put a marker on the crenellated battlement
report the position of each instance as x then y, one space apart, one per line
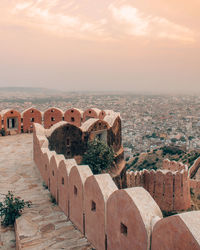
14 122
111 218
170 186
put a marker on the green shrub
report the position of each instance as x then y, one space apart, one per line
99 156
3 132
11 208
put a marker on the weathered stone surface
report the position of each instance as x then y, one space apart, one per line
44 225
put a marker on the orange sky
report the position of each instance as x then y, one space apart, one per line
101 45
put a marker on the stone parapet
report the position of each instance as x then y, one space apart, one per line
170 189
118 219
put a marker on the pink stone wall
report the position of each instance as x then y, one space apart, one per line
97 190
52 116
125 225
119 219
12 114
45 167
90 113
73 116
194 168
53 176
29 117
64 168
168 195
77 178
178 192
171 190
159 189
173 165
102 114
172 233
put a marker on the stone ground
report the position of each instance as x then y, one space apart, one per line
44 225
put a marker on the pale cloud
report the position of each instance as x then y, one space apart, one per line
127 14
22 6
136 23
100 20
50 16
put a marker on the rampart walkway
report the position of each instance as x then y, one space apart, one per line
44 225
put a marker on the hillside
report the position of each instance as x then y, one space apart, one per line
154 159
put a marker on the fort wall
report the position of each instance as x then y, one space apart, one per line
177 232
52 116
91 113
28 117
11 121
48 118
194 168
170 187
112 218
74 116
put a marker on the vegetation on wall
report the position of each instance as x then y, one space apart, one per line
11 208
154 158
99 156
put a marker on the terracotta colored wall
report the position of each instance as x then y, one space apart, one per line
37 130
12 114
54 113
73 116
30 114
119 218
168 196
53 176
42 167
47 158
39 142
89 113
63 183
102 114
173 233
171 190
77 178
173 165
126 228
114 135
57 114
67 140
95 128
194 168
97 190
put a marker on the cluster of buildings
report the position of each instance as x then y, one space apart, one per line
148 122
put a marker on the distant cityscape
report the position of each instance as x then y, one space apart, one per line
148 121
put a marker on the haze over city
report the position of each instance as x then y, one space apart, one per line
138 46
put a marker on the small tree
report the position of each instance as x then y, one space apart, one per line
11 208
99 156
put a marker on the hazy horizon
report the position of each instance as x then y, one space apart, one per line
115 45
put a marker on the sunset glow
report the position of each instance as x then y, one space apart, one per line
101 45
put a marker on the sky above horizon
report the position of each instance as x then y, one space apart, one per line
130 45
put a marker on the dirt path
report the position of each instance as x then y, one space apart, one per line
44 225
